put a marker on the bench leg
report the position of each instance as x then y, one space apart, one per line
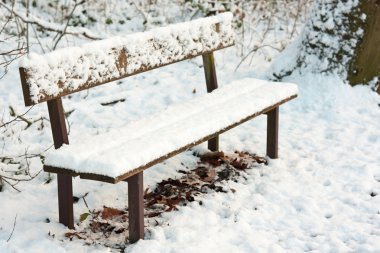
136 207
65 200
65 185
272 133
213 144
212 84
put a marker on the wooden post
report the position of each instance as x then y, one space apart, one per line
272 133
212 84
65 188
136 207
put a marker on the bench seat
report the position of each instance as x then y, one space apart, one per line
123 152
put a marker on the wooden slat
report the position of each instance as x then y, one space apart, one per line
121 59
113 180
87 85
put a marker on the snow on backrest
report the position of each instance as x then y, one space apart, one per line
72 69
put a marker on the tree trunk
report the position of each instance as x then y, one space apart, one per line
365 65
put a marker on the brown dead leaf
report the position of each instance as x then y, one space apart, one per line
173 201
71 235
211 175
104 227
239 164
109 212
212 155
212 158
147 194
154 214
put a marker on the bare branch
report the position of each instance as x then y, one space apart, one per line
67 23
5 178
27 155
17 117
77 31
8 19
14 51
27 25
296 19
14 226
10 184
7 63
141 11
253 51
39 42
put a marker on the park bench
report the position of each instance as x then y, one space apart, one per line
126 152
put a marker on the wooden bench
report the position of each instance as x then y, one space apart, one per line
142 144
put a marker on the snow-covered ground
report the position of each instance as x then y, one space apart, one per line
321 195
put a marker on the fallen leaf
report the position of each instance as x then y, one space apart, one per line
109 213
83 216
154 214
71 235
239 164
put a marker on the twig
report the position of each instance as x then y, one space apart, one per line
84 200
9 183
6 63
142 12
11 52
17 117
53 27
27 163
20 179
27 26
38 39
296 19
1 184
14 226
9 18
68 125
27 169
252 51
9 57
63 32
28 155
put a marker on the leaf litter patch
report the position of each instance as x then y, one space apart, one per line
109 226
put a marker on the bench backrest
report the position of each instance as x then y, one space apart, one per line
68 70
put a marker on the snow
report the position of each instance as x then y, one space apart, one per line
315 198
130 147
73 68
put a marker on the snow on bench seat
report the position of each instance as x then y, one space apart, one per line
123 152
